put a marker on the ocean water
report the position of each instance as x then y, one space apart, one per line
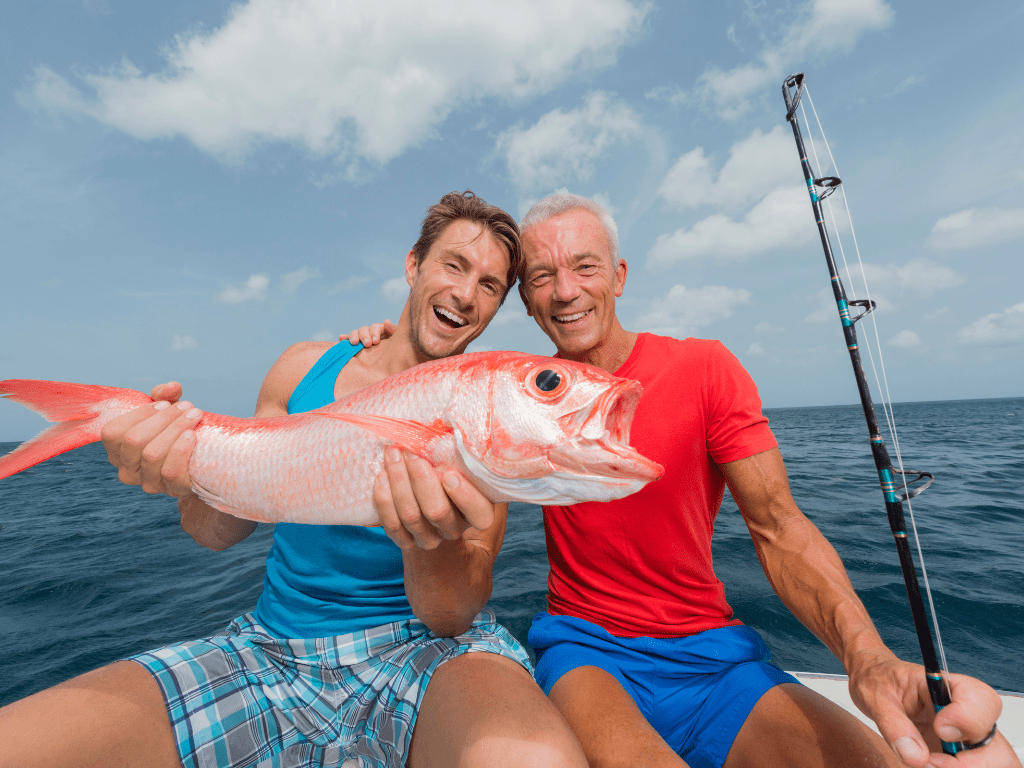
92 571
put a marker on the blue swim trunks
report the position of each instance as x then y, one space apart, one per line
244 699
696 691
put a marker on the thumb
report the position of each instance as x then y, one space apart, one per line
171 392
901 734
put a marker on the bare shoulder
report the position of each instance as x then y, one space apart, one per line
285 374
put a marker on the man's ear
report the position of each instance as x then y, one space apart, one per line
620 276
412 269
526 301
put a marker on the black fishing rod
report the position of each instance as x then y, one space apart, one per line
792 90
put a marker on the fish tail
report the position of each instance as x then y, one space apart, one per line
80 411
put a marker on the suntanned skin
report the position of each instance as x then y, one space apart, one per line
479 709
569 288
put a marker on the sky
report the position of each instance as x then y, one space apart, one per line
188 188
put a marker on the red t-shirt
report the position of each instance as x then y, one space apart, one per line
641 566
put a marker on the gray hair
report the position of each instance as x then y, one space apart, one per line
562 202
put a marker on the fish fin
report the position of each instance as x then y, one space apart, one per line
412 435
81 410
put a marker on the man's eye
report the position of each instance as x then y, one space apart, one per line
540 279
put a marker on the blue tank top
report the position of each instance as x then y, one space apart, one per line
325 580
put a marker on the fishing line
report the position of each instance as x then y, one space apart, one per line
890 416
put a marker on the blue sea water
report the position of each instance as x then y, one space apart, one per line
92 571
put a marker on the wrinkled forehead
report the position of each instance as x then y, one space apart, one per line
565 239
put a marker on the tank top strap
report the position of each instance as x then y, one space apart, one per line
317 387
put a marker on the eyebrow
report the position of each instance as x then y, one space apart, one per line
573 260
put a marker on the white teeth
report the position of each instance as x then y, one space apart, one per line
571 318
450 315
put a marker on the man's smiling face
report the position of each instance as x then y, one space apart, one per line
456 290
570 283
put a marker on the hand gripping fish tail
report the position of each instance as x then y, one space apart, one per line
519 427
80 411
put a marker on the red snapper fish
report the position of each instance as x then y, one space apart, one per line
520 428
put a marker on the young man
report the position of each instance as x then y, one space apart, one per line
639 649
333 665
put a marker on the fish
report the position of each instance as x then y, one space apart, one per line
520 427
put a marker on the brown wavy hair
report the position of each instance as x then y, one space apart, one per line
466 205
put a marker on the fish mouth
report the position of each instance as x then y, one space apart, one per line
598 443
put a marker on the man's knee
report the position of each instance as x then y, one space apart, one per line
552 749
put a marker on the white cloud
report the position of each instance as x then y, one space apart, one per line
255 289
396 289
292 280
324 334
826 310
684 310
1005 327
821 28
366 80
563 145
906 340
181 343
977 227
758 164
512 312
350 283
767 329
756 349
918 275
782 218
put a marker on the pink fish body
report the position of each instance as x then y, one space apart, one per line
520 427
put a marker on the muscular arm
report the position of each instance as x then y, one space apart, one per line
801 565
809 577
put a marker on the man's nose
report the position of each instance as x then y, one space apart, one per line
566 288
463 292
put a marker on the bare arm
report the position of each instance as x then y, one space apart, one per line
807 574
449 534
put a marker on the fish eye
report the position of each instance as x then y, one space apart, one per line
548 380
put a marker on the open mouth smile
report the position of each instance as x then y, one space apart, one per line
566 319
449 318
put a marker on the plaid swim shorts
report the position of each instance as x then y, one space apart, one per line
244 698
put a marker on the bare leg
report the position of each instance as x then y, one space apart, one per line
608 723
112 716
481 709
793 726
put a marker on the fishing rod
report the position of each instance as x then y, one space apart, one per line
792 90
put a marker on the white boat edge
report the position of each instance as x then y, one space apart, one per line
835 688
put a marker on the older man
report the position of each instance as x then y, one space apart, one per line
358 649
639 649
